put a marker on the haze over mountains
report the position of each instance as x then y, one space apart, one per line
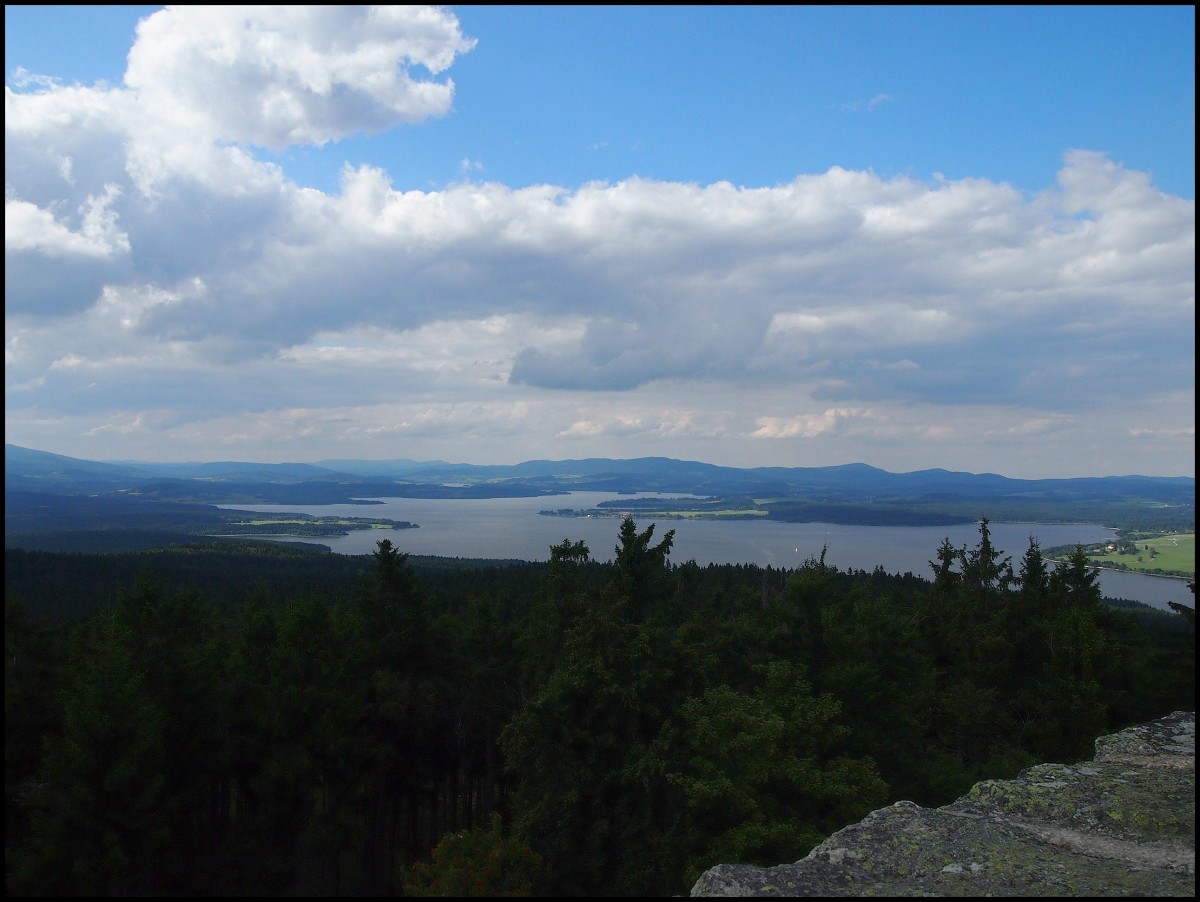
51 492
29 469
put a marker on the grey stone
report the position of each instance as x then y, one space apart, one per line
1123 824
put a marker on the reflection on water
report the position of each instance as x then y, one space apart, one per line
513 529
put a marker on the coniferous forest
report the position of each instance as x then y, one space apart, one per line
215 720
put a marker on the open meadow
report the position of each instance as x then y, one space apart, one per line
1170 552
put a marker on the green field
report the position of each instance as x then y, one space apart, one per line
1174 553
341 522
301 525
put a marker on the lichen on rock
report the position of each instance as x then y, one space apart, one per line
1122 824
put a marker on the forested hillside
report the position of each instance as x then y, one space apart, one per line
205 720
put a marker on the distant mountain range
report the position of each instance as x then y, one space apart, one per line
851 493
27 468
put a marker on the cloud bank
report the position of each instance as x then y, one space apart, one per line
167 284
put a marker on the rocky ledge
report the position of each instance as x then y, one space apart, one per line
1122 824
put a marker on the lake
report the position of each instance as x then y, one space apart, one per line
513 529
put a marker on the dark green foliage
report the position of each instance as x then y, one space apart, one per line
68 588
479 862
573 748
639 567
33 676
209 720
759 778
121 792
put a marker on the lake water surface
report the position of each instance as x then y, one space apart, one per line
513 528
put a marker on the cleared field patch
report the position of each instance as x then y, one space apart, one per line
1175 553
342 522
730 514
616 513
303 525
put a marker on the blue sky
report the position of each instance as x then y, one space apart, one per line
913 237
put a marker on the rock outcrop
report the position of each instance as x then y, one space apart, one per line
1122 824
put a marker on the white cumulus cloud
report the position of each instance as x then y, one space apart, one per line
275 76
156 261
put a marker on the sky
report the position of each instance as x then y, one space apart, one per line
912 237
